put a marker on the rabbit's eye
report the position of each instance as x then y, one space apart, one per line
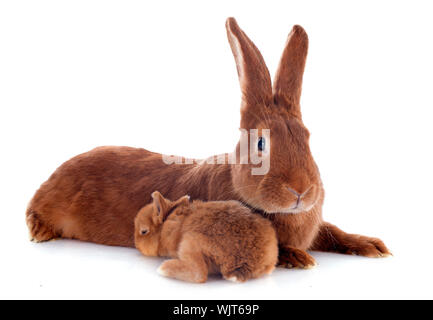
261 144
143 232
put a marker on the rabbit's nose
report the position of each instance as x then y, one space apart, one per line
299 195
294 192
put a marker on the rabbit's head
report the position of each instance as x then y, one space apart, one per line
149 221
292 183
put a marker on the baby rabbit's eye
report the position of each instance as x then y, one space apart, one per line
261 144
143 232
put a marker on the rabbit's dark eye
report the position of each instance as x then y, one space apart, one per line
143 232
261 145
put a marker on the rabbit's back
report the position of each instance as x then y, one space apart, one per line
231 235
96 195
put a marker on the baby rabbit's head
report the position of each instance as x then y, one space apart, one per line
149 221
272 127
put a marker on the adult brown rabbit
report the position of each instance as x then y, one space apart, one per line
96 195
206 237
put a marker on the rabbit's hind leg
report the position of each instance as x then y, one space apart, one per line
39 231
239 274
246 271
191 265
266 270
183 270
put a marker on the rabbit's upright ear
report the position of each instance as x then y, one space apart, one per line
254 77
161 206
182 200
288 79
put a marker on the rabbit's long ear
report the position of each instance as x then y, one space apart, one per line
253 74
288 79
182 200
161 205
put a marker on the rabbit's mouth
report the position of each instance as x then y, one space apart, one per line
290 201
302 203
295 210
296 207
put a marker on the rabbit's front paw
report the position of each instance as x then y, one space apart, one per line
291 257
366 246
333 239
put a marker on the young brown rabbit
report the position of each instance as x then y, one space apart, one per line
94 196
206 237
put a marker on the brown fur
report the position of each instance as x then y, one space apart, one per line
206 237
95 196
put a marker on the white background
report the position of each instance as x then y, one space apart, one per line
160 75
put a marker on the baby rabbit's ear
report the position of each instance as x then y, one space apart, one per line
253 74
288 79
162 205
183 200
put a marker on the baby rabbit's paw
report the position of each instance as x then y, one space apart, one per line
291 257
234 279
238 275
